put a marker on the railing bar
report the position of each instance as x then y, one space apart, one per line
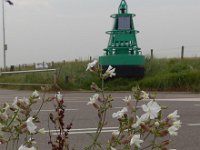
34 84
28 71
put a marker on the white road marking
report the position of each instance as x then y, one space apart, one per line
118 107
75 101
123 107
193 124
180 99
159 99
48 110
104 130
85 130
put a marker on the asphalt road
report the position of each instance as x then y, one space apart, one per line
84 117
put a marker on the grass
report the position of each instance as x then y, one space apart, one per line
160 74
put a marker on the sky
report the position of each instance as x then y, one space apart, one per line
57 30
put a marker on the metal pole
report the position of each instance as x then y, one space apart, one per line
4 36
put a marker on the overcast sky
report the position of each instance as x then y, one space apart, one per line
56 30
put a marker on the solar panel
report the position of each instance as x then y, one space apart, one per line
124 23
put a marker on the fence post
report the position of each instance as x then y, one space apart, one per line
182 52
90 58
55 77
151 53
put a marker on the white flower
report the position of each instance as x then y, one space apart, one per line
24 100
144 95
22 147
6 106
136 140
30 125
14 104
173 116
59 96
91 65
177 124
35 94
120 113
110 72
174 128
42 131
151 109
140 120
173 131
127 99
115 133
112 148
93 99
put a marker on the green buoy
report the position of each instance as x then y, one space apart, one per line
122 51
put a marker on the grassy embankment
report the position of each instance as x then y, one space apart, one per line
160 74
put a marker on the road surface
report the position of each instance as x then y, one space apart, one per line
84 117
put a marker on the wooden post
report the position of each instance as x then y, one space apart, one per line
52 64
55 77
151 53
90 58
182 52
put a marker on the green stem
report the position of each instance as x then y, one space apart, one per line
147 136
17 141
13 118
102 120
43 97
8 142
102 88
154 141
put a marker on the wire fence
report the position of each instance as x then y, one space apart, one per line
173 52
176 52
54 75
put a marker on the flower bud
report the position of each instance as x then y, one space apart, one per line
157 124
126 141
115 133
164 143
3 116
6 106
96 106
145 127
69 126
94 87
22 126
2 141
163 133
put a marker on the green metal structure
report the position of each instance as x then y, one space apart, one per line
122 51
